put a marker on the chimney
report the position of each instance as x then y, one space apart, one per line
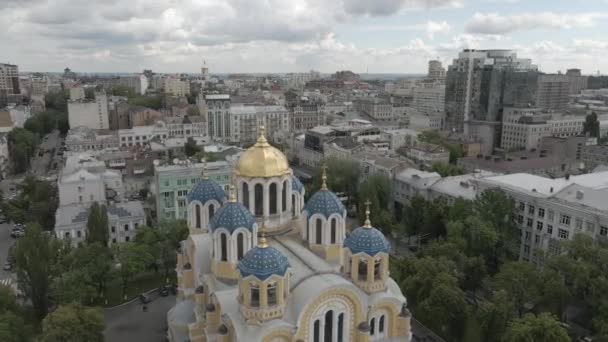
579 195
567 176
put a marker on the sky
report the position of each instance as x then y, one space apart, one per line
375 36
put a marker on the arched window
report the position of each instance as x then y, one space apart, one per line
272 293
246 195
240 245
377 269
381 325
329 325
372 325
255 294
293 204
272 192
334 232
211 211
341 327
284 197
317 331
197 213
223 247
259 199
319 232
362 270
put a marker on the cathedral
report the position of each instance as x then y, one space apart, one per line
262 264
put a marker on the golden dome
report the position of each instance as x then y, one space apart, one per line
262 160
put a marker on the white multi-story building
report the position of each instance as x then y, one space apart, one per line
400 137
247 120
77 93
89 113
81 139
429 98
552 210
523 128
142 135
376 108
436 71
176 87
123 221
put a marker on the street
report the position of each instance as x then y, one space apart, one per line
129 322
41 165
5 243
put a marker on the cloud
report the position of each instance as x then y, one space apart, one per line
389 7
433 27
492 23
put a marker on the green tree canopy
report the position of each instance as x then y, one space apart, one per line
162 242
22 145
133 259
190 147
73 323
97 224
531 328
592 125
36 255
342 176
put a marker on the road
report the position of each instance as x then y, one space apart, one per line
41 165
5 243
129 323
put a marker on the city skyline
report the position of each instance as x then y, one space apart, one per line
397 36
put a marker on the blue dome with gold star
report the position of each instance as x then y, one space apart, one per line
324 202
231 216
206 190
263 262
368 240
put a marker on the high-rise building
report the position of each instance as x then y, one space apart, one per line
205 71
216 108
9 83
436 71
553 91
475 86
429 98
578 82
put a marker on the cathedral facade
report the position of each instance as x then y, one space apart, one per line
261 264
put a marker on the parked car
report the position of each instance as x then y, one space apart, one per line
7 266
144 299
164 291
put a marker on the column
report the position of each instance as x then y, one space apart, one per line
334 328
370 270
280 208
251 197
264 295
176 205
322 329
288 201
354 266
266 200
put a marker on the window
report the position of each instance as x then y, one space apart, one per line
127 238
255 294
549 229
541 212
126 227
590 226
319 232
211 209
80 199
223 247
377 269
259 199
341 327
520 219
526 250
381 325
530 223
317 333
246 195
272 293
563 234
362 271
531 210
564 219
527 236
537 239
550 215
78 233
113 229
333 230
539 226
272 192
372 325
284 197
603 231
522 206
578 223
240 248
197 215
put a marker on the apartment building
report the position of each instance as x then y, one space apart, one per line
89 113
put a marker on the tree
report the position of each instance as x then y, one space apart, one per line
414 214
73 323
13 328
22 145
446 170
531 328
57 100
163 241
122 90
36 203
97 224
592 125
36 255
521 281
133 259
190 147
342 177
494 315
